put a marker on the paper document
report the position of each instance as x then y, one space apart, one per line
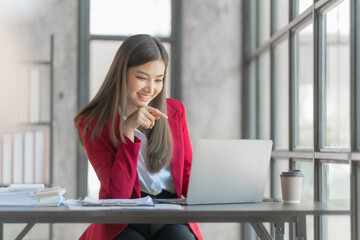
156 207
145 201
31 195
22 198
79 207
25 187
88 208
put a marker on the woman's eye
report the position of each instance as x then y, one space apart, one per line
159 80
141 78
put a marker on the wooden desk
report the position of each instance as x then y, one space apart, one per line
255 213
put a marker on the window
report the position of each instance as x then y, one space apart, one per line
301 60
103 27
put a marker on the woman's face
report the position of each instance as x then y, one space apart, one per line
144 83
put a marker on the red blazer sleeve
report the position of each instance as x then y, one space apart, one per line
116 168
188 155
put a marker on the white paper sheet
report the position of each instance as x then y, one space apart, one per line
155 207
88 208
145 201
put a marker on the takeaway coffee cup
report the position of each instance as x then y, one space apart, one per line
291 186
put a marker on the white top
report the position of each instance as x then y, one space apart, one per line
152 183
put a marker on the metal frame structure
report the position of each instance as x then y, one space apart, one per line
318 155
83 85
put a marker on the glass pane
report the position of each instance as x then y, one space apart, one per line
304 4
307 169
93 187
338 76
280 165
282 14
123 17
264 95
337 180
281 95
337 227
264 19
251 27
309 227
101 56
267 191
305 76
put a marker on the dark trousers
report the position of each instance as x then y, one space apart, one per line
157 231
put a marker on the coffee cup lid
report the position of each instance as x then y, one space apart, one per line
292 173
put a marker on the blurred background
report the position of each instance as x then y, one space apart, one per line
283 70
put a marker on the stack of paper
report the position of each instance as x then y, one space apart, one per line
50 196
31 195
20 198
25 187
19 195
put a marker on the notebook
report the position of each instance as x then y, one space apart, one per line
227 171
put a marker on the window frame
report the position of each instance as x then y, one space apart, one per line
318 155
84 75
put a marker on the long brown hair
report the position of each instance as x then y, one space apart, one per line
134 51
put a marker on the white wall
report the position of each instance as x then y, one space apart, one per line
211 79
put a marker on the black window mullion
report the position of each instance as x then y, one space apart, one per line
257 76
176 26
355 200
293 90
272 98
83 88
272 103
355 117
273 116
319 113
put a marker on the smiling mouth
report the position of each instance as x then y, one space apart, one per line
145 98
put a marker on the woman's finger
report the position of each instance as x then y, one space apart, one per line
156 112
146 123
149 116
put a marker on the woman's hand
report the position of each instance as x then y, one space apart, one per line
144 117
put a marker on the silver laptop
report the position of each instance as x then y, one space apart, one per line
228 171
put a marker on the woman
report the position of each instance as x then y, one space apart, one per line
137 140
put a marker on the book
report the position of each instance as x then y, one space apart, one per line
7 159
39 156
18 166
50 200
50 196
29 153
48 192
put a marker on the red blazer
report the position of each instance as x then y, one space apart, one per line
116 168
